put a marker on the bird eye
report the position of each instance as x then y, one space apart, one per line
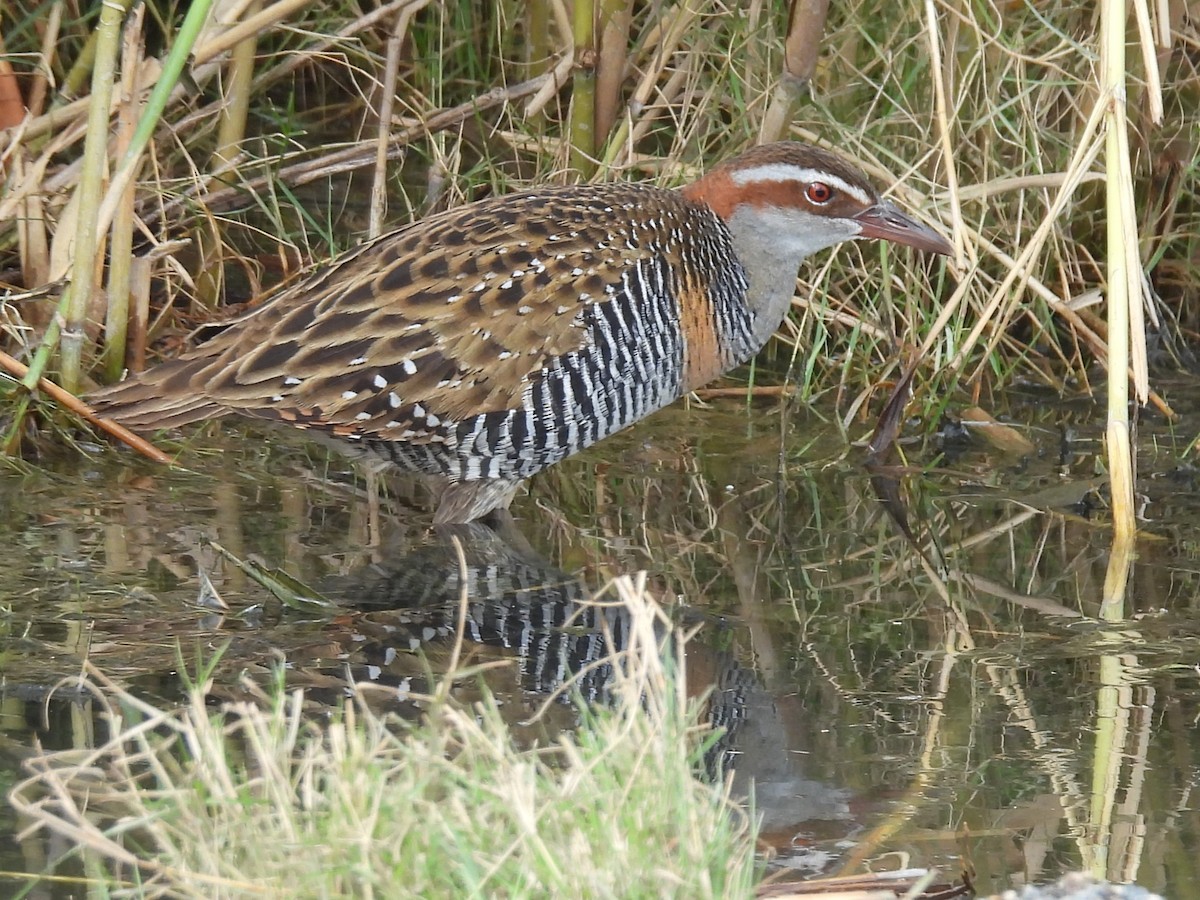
819 193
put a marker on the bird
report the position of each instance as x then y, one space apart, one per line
482 344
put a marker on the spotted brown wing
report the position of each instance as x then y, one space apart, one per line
429 325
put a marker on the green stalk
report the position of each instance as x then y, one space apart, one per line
582 125
539 37
91 185
77 76
188 32
116 322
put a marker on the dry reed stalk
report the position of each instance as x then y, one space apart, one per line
32 236
552 83
560 72
668 95
1123 267
59 117
167 84
1091 337
387 101
259 21
223 164
657 48
140 274
843 318
801 49
41 81
46 123
1020 273
26 137
69 401
294 62
236 94
945 130
615 18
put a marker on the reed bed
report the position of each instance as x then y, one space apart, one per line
163 167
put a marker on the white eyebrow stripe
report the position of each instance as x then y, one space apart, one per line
786 172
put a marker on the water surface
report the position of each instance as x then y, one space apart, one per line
947 697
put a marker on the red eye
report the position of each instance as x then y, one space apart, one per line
819 193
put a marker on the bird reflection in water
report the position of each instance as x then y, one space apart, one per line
557 636
560 635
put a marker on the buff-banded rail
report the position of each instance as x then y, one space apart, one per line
483 344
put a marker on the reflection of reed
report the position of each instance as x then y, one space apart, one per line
562 633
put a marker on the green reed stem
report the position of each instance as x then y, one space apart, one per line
582 127
85 262
116 321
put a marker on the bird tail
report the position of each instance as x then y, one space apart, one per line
164 397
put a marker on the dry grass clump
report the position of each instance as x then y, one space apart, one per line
254 799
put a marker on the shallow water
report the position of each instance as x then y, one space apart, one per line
959 705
